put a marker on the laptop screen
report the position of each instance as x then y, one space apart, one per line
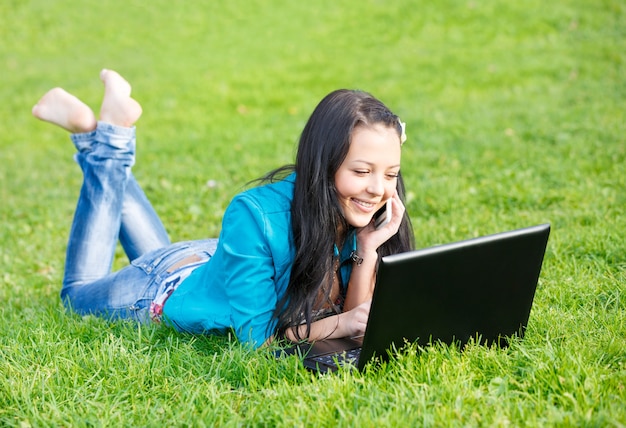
482 288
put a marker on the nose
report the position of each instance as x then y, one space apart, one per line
376 185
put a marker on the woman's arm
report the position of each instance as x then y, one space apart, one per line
362 281
346 324
363 277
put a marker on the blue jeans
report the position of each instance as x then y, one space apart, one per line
111 207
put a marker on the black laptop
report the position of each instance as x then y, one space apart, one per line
480 289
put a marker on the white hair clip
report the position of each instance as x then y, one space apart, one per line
403 135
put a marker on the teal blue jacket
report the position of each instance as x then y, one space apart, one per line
240 286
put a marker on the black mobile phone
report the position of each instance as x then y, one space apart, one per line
384 215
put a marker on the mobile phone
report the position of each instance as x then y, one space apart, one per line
384 215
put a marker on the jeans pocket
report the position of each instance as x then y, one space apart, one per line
155 261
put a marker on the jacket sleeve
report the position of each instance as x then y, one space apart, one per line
249 270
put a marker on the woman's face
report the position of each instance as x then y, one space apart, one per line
368 175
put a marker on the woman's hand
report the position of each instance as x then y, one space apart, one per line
346 324
353 322
369 238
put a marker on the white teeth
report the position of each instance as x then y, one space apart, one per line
363 203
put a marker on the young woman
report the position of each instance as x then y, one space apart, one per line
297 255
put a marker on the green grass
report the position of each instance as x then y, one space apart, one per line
515 116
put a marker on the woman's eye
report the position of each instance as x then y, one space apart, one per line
361 171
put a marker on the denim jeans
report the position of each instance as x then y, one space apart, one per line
111 207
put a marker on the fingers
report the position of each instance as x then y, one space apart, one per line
362 315
356 320
397 214
397 208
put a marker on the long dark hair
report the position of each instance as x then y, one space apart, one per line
315 212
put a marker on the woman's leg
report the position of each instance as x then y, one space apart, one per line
141 229
111 205
109 194
98 216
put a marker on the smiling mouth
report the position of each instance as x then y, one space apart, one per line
364 204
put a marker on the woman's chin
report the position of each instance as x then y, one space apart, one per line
359 222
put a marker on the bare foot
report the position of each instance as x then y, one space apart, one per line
65 110
118 108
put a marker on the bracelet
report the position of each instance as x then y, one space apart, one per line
355 258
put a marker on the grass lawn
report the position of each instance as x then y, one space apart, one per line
515 115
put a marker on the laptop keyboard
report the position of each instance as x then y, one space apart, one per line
339 359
